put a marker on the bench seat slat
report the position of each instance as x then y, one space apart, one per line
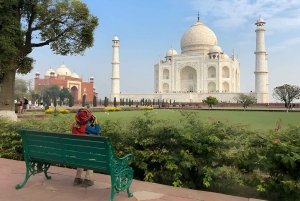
42 149
101 150
43 138
43 143
69 161
82 141
66 153
46 156
89 156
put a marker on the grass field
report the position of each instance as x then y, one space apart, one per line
256 120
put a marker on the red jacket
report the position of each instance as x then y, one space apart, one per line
80 130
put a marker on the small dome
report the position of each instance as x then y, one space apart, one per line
63 70
48 72
260 20
171 52
74 75
116 38
215 49
37 73
197 37
92 77
225 56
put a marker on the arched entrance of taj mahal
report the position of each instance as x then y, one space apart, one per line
188 79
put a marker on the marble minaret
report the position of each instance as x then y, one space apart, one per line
261 68
115 79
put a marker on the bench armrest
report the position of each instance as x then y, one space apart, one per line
121 162
128 157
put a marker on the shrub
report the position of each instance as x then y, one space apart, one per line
60 110
112 109
63 111
147 108
10 140
189 153
49 111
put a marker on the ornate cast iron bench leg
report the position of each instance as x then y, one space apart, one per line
33 168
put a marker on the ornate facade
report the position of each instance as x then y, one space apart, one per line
201 70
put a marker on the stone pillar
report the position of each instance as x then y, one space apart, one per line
115 79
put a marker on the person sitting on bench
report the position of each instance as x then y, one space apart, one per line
85 123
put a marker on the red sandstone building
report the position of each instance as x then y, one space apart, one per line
65 79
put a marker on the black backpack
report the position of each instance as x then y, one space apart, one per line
25 101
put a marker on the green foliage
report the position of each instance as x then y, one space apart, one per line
105 101
286 93
83 100
20 88
245 99
55 102
65 25
51 91
63 94
10 140
190 153
71 100
210 100
94 101
115 102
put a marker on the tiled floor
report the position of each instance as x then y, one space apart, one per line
60 188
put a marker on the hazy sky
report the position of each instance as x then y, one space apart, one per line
147 29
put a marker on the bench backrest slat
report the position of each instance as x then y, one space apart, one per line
89 152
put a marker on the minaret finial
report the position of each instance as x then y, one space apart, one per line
198 17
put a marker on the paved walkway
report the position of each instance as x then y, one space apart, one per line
60 188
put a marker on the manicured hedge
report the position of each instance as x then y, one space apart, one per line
189 153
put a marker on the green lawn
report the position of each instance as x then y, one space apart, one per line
256 120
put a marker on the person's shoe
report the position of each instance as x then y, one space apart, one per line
87 182
77 181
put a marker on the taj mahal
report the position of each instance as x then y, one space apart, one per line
201 70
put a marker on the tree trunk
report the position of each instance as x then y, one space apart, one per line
7 91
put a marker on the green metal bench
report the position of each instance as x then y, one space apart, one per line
41 149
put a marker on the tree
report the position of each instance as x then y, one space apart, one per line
105 101
210 100
83 100
245 99
35 95
63 94
94 101
71 100
65 25
286 93
52 92
21 88
115 102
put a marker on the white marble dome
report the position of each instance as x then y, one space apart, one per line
115 38
74 75
63 70
196 37
171 52
215 49
48 72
